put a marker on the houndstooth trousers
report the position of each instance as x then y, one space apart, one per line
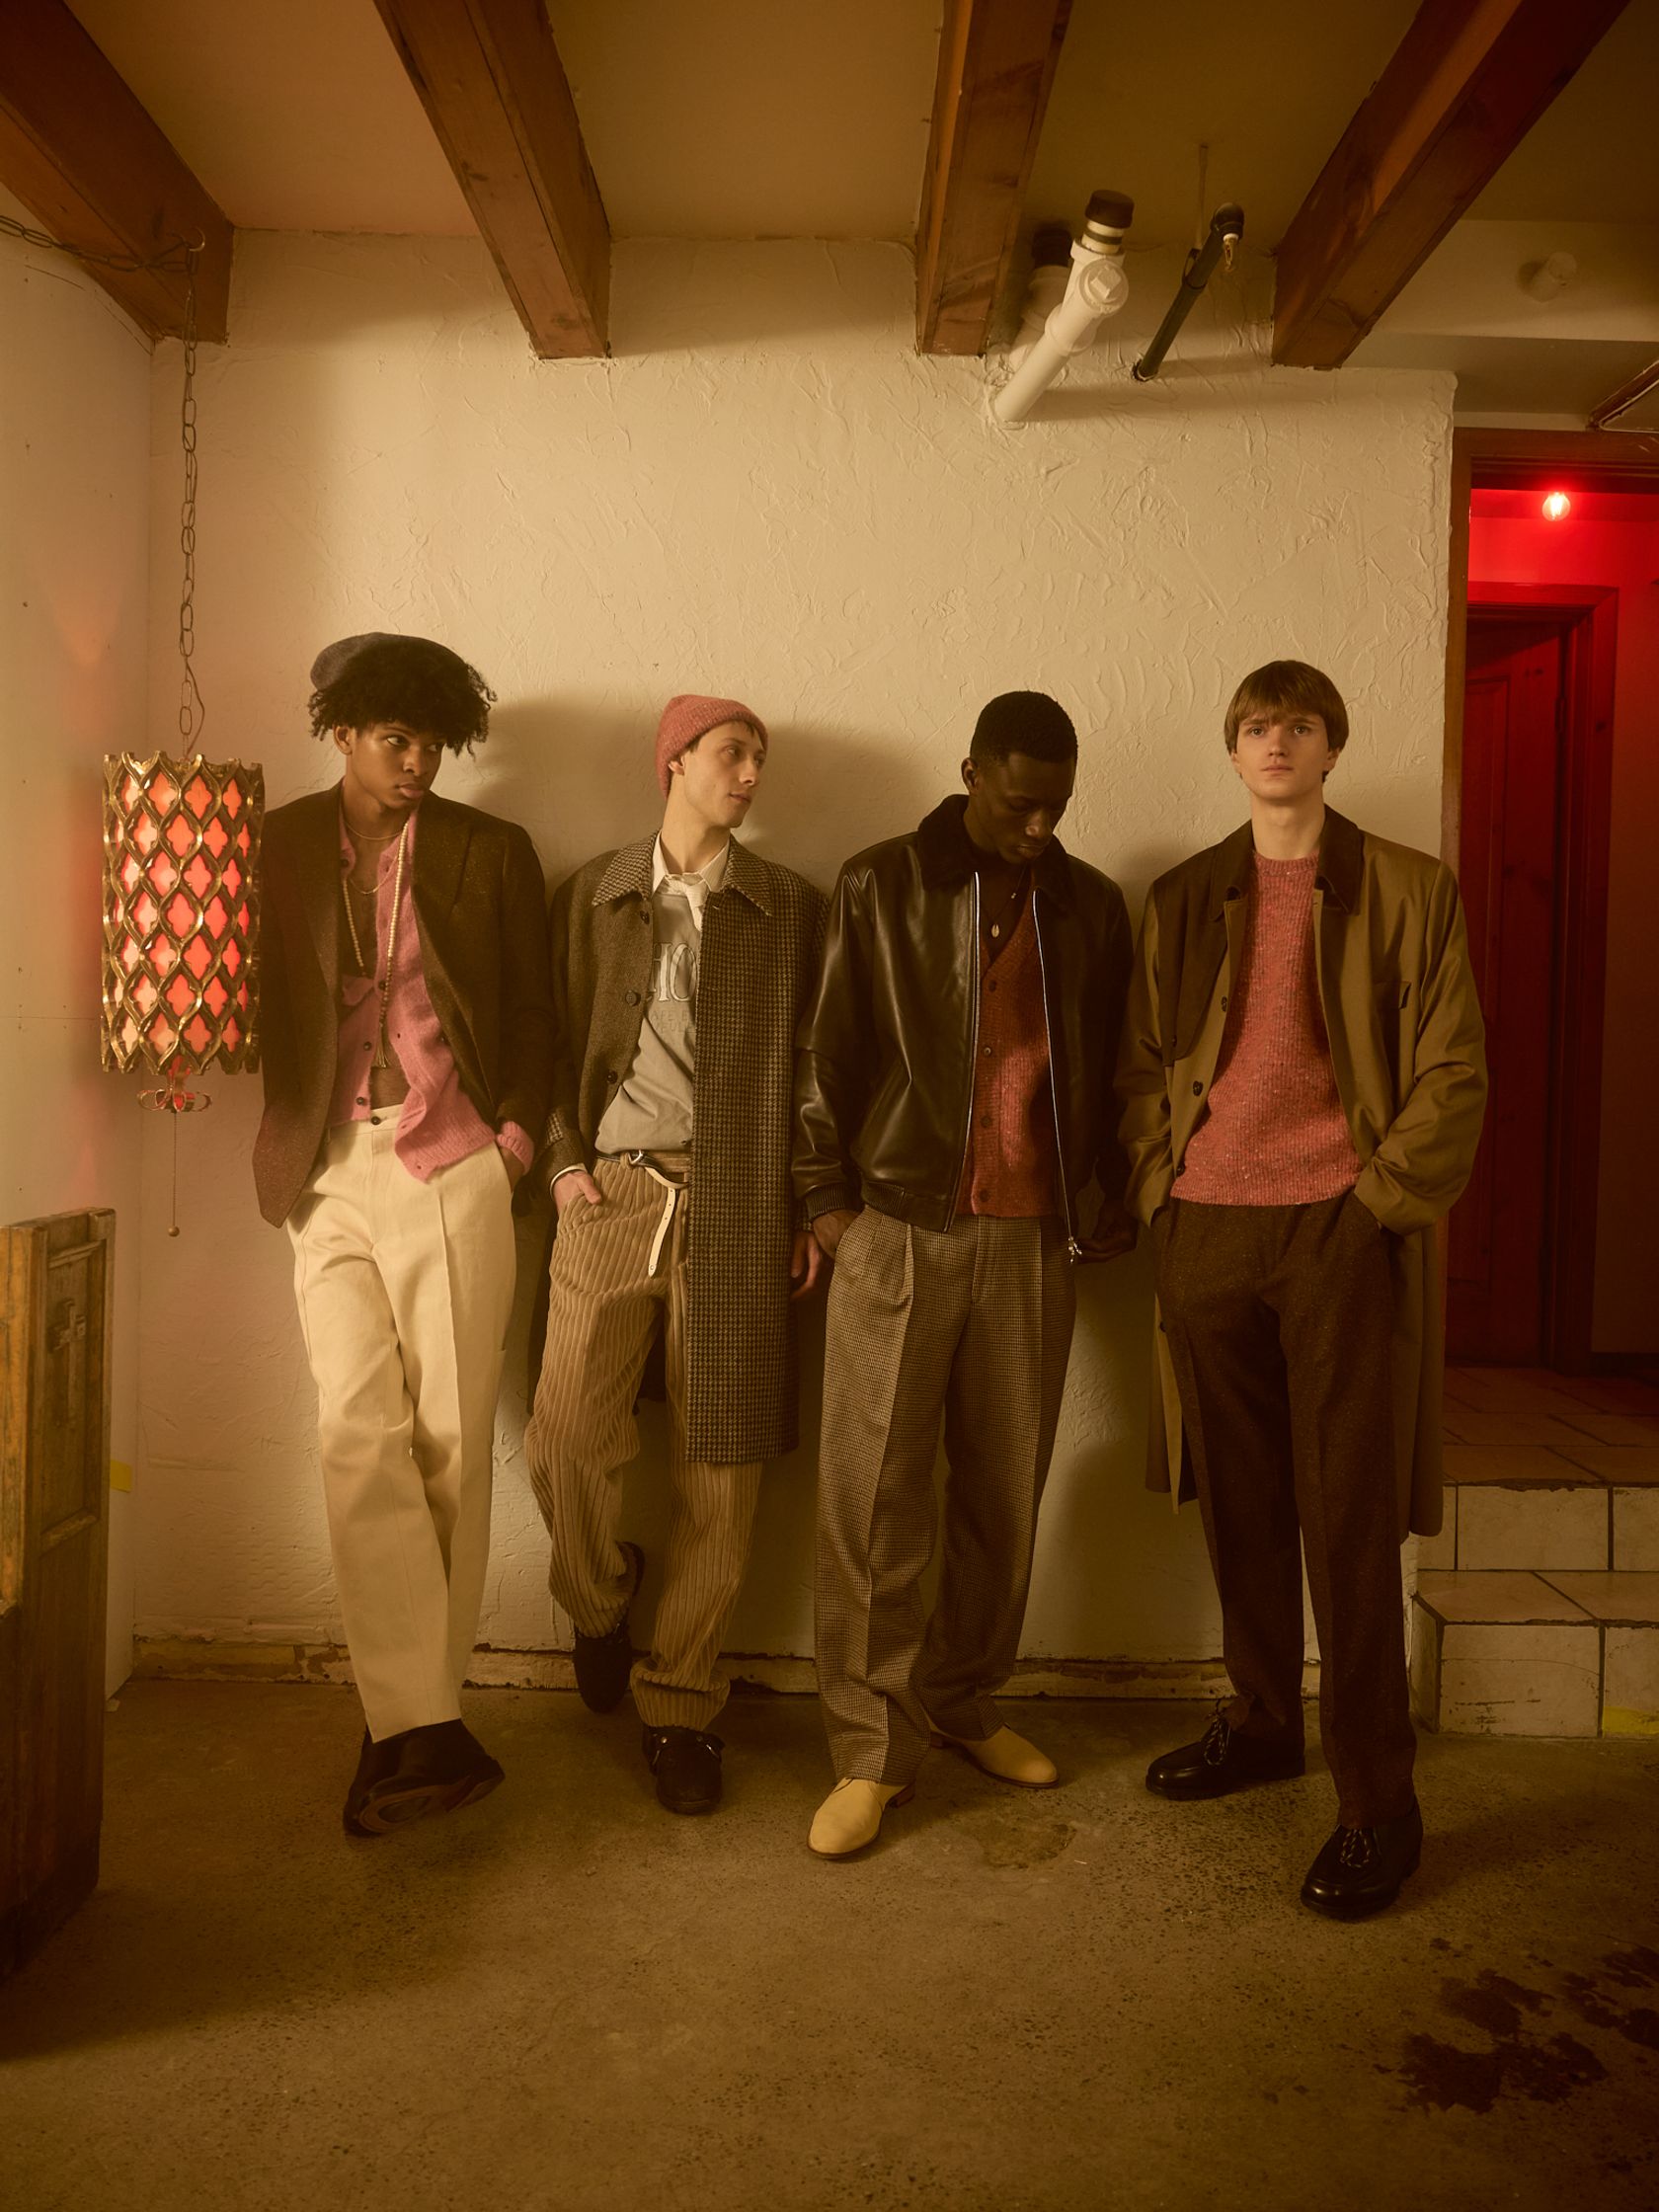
972 1324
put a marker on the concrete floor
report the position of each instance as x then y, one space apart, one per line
567 2001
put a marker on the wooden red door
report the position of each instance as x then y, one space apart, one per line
56 1288
1513 724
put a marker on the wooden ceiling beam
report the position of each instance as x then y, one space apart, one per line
1466 85
997 65
83 154
494 90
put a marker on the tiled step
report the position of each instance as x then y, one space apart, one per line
1549 1472
1559 1653
1515 1518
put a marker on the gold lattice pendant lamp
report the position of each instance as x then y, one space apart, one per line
180 914
181 875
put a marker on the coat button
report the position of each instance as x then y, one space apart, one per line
988 1052
1198 1090
633 997
612 1076
984 1121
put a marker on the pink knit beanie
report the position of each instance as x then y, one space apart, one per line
690 716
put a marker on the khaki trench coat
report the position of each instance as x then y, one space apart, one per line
1408 1049
758 960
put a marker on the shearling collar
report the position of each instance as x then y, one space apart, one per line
949 856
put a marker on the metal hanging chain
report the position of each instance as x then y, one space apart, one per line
192 715
175 258
182 255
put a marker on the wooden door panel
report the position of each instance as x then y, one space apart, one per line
56 1293
1497 1274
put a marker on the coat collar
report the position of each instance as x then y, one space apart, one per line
1341 864
628 875
948 854
435 879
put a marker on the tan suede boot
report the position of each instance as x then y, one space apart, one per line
1006 1756
851 1816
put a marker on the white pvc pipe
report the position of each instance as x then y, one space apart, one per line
1097 288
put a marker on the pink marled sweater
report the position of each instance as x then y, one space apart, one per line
1275 1134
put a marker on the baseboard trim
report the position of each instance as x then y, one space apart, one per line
753 1674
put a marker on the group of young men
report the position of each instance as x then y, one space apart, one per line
945 1089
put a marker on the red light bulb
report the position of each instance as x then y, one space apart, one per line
1557 507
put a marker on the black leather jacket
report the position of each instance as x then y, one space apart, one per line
884 1070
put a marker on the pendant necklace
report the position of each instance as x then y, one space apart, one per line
1010 904
383 1054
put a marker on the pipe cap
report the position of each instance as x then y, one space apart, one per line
1113 211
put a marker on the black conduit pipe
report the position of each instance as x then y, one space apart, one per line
1226 227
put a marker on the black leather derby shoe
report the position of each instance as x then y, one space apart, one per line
603 1663
1360 1869
375 1761
440 1769
686 1763
1220 1760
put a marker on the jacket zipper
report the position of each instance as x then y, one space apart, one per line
972 1052
1072 1245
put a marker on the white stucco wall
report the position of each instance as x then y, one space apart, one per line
74 561
765 492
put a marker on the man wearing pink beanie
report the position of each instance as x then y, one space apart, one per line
690 716
682 964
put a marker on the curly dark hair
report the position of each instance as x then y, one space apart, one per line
411 681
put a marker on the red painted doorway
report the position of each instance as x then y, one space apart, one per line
1536 762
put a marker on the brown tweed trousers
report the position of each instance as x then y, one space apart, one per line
758 962
1279 1322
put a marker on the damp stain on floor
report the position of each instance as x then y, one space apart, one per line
1530 2053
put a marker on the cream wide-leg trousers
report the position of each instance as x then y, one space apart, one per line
404 1290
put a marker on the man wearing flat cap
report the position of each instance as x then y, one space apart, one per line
680 967
408 1042
954 1101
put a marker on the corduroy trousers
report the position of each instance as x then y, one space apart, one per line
971 1325
1279 1320
618 1269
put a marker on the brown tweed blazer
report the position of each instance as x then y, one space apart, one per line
478 893
761 932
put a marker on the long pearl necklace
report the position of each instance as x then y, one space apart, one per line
383 1052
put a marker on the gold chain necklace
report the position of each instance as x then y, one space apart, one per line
383 1054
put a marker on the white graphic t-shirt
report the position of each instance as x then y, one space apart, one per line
652 1108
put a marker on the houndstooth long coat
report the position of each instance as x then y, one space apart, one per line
758 961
